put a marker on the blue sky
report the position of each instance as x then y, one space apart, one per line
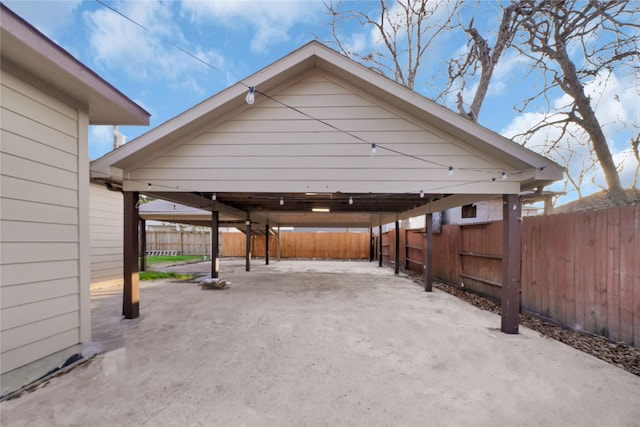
238 38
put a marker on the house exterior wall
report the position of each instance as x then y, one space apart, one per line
270 147
106 213
44 284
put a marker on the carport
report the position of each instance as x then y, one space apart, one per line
316 139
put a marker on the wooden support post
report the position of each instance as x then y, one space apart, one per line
371 246
428 253
143 245
248 246
131 292
397 249
278 250
215 228
266 245
380 245
511 216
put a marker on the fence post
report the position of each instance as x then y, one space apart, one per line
511 215
143 244
428 253
397 249
131 291
214 244
380 245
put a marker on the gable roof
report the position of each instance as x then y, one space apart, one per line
35 58
315 113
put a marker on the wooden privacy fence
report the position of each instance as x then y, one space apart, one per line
580 269
301 245
293 245
184 242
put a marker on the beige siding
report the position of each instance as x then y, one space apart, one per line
273 146
41 224
106 237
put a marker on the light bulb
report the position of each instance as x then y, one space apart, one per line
251 95
350 200
450 170
373 149
213 197
281 201
504 175
421 194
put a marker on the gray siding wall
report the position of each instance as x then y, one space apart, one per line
44 308
106 237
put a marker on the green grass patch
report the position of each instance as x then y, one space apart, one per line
178 258
153 275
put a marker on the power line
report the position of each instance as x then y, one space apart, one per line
450 168
149 31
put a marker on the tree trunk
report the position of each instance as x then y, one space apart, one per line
589 122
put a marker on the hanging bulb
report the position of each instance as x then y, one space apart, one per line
450 170
421 194
350 200
213 197
504 175
251 96
281 201
373 149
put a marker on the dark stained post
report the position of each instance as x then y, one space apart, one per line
428 253
266 245
380 245
215 228
143 244
248 246
278 242
397 249
371 247
131 293
511 216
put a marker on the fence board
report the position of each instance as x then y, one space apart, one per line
613 273
301 245
600 277
636 276
628 258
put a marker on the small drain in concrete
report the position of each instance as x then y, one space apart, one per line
215 284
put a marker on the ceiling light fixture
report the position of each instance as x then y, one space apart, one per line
320 210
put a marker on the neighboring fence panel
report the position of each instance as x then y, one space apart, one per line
581 269
301 245
185 242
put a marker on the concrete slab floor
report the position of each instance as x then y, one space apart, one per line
296 343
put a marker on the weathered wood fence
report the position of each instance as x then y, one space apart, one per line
581 269
184 242
301 245
292 245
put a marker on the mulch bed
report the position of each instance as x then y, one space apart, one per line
622 355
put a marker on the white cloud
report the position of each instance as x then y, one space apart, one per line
271 21
100 140
618 111
118 43
49 17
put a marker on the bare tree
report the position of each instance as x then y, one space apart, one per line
606 34
480 59
404 29
569 42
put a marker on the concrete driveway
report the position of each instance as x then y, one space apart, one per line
322 344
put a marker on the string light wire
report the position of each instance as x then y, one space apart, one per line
374 146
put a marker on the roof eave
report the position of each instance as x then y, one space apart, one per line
46 65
